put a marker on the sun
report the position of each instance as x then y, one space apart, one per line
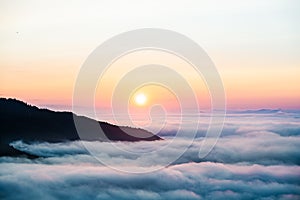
140 99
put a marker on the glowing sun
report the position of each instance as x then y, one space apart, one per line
140 99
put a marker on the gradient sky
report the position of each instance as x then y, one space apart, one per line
255 45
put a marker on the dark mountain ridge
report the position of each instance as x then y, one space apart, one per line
20 121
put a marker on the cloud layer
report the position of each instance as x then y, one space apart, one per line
257 157
256 148
186 181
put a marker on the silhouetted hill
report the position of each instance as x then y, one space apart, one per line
20 121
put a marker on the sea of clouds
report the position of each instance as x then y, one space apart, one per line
256 157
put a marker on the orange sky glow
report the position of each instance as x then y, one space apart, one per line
255 49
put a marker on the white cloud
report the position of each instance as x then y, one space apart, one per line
191 180
250 161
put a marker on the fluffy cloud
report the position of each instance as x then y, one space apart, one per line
255 148
256 158
186 181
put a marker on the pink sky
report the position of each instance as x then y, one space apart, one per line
255 47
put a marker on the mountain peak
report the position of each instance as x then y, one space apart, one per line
21 121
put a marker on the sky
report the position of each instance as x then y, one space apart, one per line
255 45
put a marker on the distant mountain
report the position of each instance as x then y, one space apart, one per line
20 121
260 111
